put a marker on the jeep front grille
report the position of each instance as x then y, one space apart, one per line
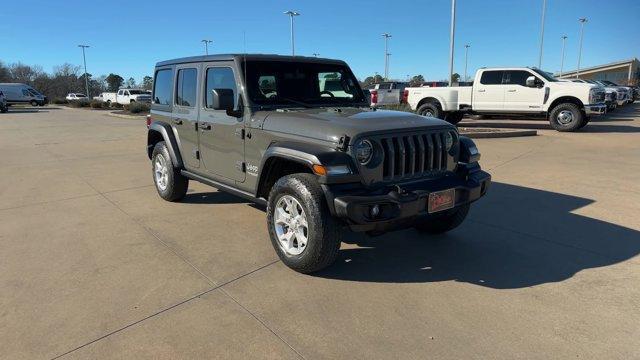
413 155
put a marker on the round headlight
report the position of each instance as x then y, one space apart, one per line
364 151
448 141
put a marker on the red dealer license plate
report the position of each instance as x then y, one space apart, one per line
441 200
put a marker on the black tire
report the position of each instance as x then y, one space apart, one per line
585 121
4 109
324 233
176 183
34 103
132 101
453 117
431 109
445 222
577 117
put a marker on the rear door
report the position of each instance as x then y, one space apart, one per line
184 117
519 97
488 93
221 136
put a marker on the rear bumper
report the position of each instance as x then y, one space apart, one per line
401 208
595 109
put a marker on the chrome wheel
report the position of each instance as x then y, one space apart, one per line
565 117
427 113
291 225
161 172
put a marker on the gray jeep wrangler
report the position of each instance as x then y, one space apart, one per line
297 134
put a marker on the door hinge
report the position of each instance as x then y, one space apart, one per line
196 154
241 166
240 133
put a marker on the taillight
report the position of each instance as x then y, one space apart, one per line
149 120
374 97
405 97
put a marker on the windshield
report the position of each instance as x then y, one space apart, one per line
137 92
285 83
609 83
547 76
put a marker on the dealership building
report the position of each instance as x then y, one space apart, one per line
620 72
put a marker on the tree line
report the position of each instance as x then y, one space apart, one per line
65 79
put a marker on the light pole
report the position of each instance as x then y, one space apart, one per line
564 38
466 53
86 77
452 36
206 45
291 15
582 21
544 10
386 37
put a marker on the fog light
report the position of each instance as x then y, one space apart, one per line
374 211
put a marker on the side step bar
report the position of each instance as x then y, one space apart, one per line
224 187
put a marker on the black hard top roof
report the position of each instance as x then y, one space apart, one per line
230 57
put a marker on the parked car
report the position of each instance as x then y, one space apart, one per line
262 127
108 97
3 103
512 91
610 96
127 96
16 93
386 93
76 97
626 90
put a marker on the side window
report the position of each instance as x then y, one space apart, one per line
25 92
162 86
222 78
516 77
491 78
385 86
186 87
120 92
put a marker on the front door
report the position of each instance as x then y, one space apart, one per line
221 135
518 97
184 117
488 93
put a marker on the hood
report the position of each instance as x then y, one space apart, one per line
329 124
575 85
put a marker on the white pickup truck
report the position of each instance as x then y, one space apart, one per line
512 91
125 96
386 93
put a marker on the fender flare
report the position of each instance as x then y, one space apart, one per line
166 132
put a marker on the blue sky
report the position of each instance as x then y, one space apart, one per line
129 37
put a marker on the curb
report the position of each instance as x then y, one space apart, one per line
123 116
494 133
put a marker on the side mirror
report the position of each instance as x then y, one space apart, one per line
531 81
222 99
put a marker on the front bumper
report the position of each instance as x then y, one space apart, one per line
400 207
595 109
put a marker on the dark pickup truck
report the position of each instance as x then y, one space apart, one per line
297 134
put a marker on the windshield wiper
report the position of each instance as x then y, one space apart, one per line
301 103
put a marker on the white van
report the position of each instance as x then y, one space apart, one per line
22 94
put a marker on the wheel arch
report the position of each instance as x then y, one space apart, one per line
429 99
563 100
159 131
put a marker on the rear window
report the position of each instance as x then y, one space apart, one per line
491 78
162 87
186 87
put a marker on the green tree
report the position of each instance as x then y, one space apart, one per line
114 82
455 77
131 83
147 82
417 80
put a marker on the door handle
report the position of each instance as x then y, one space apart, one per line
177 121
513 90
481 90
205 126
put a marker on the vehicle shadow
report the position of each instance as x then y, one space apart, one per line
594 126
515 237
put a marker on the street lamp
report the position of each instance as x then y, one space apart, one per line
386 37
452 37
206 45
582 21
544 10
86 77
291 15
466 53
564 38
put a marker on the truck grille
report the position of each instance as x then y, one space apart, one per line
414 155
598 97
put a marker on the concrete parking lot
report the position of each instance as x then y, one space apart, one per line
93 264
